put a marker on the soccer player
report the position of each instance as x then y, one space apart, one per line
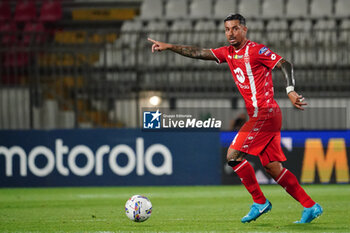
251 65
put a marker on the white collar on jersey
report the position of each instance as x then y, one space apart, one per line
236 51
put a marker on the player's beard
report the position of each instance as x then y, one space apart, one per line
236 44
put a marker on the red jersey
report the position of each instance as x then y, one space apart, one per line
251 68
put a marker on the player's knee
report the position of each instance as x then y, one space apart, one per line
234 157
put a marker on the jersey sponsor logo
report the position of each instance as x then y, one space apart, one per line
263 50
273 57
239 75
242 86
238 56
267 53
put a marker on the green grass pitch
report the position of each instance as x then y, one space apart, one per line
175 209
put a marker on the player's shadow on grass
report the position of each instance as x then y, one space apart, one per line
315 227
322 227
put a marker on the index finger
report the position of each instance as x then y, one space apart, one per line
153 41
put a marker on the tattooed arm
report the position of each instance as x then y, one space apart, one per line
187 51
287 70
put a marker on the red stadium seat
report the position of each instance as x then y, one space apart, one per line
15 58
51 11
8 32
5 11
33 33
25 11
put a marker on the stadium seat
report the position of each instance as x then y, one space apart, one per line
108 56
301 31
342 8
277 30
205 37
205 33
5 11
176 9
201 9
297 8
51 11
249 8
8 32
125 46
151 9
155 30
325 30
15 58
321 8
325 37
303 53
33 33
272 8
222 8
344 38
25 11
256 31
180 33
220 34
129 33
278 37
344 30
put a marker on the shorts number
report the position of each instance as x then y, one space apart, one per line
239 75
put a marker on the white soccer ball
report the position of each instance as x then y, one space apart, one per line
138 208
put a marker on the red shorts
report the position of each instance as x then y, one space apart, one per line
261 137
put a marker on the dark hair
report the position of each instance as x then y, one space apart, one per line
238 17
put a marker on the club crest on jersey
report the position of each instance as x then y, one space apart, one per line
263 50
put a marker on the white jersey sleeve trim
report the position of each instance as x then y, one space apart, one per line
217 59
277 63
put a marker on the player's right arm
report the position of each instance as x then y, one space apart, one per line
184 50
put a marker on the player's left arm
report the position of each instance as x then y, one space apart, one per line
287 69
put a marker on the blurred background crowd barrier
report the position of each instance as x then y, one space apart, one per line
88 64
